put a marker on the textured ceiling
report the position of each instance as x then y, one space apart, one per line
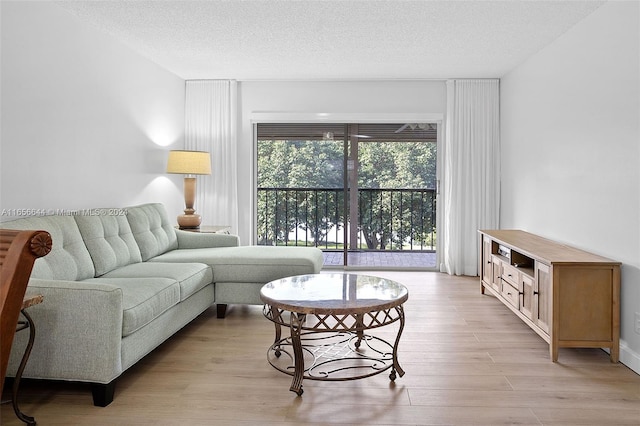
329 39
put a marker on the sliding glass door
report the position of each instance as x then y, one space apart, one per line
363 193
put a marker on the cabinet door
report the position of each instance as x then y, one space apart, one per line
496 279
526 295
542 295
486 260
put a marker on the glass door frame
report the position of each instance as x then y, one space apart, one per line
347 118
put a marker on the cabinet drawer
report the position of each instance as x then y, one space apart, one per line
511 275
510 294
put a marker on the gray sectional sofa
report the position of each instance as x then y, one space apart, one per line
119 282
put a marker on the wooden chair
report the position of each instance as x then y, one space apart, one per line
18 252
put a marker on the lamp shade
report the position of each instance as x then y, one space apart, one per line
189 162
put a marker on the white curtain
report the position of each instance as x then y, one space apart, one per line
471 180
211 125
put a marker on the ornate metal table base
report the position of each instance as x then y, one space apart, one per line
333 347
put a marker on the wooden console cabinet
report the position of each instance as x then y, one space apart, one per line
570 297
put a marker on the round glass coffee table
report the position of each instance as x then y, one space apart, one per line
329 317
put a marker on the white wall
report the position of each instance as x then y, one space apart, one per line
571 147
85 121
338 101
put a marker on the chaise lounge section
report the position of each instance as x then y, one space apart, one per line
119 282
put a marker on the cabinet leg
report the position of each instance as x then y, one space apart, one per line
614 353
553 352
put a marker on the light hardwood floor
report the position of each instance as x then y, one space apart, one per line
468 360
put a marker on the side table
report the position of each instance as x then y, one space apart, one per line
210 229
26 303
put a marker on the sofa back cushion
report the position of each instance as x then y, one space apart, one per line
109 239
69 258
152 229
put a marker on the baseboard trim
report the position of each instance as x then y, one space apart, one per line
629 357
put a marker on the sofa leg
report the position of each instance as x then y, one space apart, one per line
103 393
222 310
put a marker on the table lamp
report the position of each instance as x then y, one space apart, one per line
189 163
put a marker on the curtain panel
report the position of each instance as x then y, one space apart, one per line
471 180
211 125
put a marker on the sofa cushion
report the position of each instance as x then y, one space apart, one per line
69 259
252 264
109 241
151 229
143 299
191 277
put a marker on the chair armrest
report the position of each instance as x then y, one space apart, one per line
193 240
78 332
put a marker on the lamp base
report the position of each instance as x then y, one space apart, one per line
189 221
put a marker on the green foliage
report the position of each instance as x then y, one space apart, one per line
397 165
309 175
297 166
300 164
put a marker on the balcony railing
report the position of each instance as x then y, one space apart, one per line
388 219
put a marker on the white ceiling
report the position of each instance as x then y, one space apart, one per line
334 39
